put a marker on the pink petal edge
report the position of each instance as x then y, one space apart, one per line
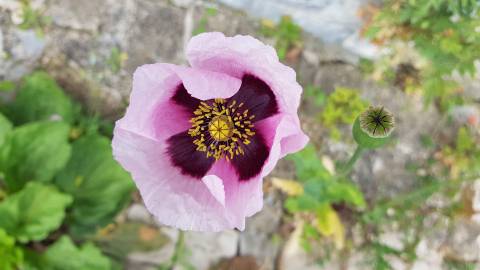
238 55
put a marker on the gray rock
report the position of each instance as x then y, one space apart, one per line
427 257
156 35
476 201
333 21
23 49
202 250
470 84
206 249
467 114
2 53
77 15
333 74
138 212
150 260
311 57
256 240
183 3
464 241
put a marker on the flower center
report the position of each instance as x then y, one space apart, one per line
220 129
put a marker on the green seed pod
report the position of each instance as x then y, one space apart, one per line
373 127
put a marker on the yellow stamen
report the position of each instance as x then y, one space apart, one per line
220 129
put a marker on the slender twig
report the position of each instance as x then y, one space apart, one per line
347 168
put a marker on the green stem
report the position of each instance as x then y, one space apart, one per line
347 168
179 246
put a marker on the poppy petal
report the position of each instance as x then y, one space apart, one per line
205 84
251 162
184 155
257 97
183 98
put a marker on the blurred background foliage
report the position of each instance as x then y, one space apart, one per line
428 41
60 181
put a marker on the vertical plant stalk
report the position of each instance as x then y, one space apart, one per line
347 168
179 248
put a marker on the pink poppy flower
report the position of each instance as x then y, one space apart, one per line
198 140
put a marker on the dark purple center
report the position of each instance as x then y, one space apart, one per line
246 150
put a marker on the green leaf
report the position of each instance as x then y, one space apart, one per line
100 187
65 255
32 213
342 107
40 98
465 142
11 256
34 152
5 127
211 11
333 191
301 203
308 165
372 32
346 192
316 94
6 86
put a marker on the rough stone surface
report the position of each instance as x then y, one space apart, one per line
150 260
74 14
20 52
339 20
257 239
209 248
462 243
469 115
138 212
428 258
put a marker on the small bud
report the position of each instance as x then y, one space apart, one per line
377 122
372 129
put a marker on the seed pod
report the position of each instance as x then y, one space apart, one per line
373 127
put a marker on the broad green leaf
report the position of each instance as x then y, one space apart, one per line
65 255
11 256
333 191
99 185
34 152
346 192
40 98
301 203
32 213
